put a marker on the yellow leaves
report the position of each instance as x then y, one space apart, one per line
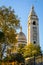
10 16
31 49
12 37
9 23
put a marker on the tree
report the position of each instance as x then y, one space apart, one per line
16 57
2 40
9 23
20 48
32 50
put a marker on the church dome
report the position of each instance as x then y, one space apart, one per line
21 37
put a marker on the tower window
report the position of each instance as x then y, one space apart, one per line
34 42
34 23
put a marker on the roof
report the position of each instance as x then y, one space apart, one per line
21 37
33 13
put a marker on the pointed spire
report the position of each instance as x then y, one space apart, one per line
32 13
32 7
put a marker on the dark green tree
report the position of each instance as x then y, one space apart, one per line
16 57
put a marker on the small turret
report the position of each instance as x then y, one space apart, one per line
32 13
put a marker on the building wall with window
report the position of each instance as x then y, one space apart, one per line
33 28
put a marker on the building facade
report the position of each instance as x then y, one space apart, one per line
21 38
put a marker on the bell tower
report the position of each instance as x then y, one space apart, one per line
33 28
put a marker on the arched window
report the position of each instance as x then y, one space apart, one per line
34 23
34 42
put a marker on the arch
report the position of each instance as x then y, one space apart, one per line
34 42
34 23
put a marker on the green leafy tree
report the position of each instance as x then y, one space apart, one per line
16 57
20 49
31 50
2 41
9 23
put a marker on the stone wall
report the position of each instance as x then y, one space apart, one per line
35 61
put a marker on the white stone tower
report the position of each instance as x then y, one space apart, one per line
33 28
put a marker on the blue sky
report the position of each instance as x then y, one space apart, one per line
22 9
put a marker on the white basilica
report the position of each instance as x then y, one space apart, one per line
32 30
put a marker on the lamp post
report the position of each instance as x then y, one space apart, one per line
34 52
34 59
41 58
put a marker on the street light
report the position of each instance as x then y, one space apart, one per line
34 59
41 57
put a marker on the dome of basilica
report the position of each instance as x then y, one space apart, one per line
21 37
